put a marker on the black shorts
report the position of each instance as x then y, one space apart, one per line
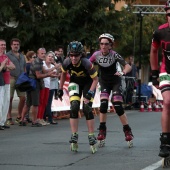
33 96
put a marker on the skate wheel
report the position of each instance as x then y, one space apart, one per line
93 149
166 162
101 143
74 147
130 144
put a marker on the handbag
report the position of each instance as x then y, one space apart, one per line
25 83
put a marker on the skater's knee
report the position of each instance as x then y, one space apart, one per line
119 108
104 106
74 109
87 110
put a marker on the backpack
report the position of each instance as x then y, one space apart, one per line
25 83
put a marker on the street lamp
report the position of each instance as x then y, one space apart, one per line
140 19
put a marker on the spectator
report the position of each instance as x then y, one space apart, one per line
59 53
5 90
2 65
18 60
53 87
30 57
131 80
38 73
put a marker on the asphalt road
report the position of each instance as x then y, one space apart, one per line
47 148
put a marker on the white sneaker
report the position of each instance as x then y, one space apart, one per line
41 121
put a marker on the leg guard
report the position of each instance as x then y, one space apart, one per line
118 107
104 106
88 112
74 109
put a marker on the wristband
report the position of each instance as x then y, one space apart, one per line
155 73
91 92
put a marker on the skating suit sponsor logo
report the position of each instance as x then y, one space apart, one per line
105 61
78 74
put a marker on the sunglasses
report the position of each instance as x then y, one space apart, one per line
168 14
75 55
34 56
104 44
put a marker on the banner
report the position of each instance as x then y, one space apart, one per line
64 105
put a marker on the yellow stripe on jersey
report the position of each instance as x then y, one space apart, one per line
93 75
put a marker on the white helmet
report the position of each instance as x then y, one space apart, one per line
108 36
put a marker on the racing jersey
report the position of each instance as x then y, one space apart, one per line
81 73
161 38
107 65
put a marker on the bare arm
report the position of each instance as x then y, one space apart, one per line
94 84
2 65
127 68
56 66
62 79
154 58
10 66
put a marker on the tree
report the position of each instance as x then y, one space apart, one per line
58 21
130 34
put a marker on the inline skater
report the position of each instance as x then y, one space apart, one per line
110 80
83 80
161 77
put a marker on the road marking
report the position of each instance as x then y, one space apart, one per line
153 166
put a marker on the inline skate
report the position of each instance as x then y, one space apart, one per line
101 137
165 149
92 143
73 142
128 136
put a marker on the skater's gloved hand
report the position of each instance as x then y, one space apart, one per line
60 93
89 95
155 77
120 73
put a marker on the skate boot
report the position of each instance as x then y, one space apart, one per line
73 141
165 149
101 137
92 142
128 136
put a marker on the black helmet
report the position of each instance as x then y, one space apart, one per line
75 47
108 36
167 5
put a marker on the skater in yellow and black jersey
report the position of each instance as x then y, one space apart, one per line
83 80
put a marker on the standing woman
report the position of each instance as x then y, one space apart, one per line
53 87
30 56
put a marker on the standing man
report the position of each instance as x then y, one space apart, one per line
6 88
59 52
161 77
110 80
130 79
18 60
38 73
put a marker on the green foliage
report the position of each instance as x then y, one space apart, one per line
129 41
62 21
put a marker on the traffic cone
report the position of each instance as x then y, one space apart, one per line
157 107
142 107
149 106
160 104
